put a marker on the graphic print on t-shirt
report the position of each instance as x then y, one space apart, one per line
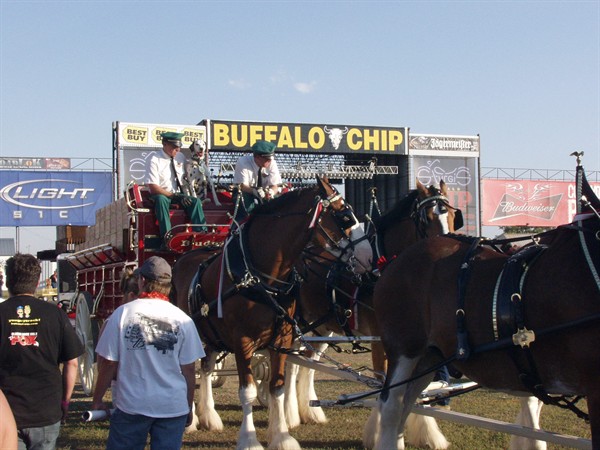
27 326
143 330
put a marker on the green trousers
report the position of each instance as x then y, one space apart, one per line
161 209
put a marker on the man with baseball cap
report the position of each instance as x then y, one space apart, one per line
164 179
257 174
153 337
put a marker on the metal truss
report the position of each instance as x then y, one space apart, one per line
300 166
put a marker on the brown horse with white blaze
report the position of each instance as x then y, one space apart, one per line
244 298
446 299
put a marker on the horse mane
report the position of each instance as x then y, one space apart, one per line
276 204
400 210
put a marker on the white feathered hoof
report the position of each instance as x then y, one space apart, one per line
423 431
284 441
193 426
248 442
371 429
313 415
210 420
523 443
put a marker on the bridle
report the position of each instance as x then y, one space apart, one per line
345 219
441 205
420 209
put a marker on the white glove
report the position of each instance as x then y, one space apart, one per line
260 192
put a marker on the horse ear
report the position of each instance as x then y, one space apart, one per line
421 188
443 188
320 183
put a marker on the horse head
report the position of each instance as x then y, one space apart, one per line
339 231
434 208
423 212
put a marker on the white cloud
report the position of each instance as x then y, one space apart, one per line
279 77
239 84
305 88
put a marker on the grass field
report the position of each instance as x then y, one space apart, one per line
344 429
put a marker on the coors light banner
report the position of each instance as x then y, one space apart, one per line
52 198
538 203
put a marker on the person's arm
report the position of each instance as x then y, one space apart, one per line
243 175
274 178
189 373
107 371
8 426
69 375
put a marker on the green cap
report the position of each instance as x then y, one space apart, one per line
172 137
263 148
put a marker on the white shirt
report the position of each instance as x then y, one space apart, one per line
246 172
150 339
160 173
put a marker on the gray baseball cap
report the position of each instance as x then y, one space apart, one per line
156 269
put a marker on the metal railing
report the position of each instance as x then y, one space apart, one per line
497 173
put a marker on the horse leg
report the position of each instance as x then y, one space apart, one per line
371 428
278 433
378 359
247 439
194 425
394 406
292 416
529 416
593 403
306 391
208 418
420 430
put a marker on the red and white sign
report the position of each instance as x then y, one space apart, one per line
537 203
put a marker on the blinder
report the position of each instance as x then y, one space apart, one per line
345 218
458 219
442 206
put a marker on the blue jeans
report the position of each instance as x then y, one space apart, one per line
39 438
130 431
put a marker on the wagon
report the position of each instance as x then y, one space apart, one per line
99 267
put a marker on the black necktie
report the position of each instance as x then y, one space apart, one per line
259 178
179 189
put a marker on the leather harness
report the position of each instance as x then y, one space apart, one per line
509 321
243 276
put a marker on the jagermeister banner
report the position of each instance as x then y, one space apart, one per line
307 138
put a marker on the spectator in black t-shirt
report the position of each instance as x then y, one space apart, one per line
35 338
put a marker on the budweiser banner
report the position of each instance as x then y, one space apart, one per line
537 203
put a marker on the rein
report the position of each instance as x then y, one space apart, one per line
463 352
246 277
500 344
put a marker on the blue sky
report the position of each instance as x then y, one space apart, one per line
524 75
